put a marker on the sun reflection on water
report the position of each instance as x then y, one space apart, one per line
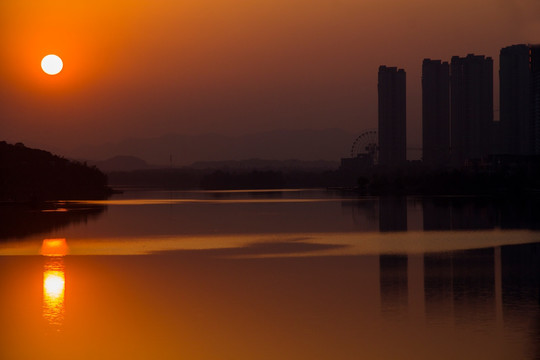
54 281
54 284
54 247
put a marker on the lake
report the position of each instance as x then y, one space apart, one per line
276 274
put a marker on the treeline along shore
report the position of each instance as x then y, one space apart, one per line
498 178
32 175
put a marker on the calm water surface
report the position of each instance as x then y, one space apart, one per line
292 274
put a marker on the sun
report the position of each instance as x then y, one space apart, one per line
52 64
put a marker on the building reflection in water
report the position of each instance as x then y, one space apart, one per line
455 213
54 281
392 213
394 285
492 288
438 287
393 268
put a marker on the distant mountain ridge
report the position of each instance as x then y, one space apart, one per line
261 164
132 163
121 163
183 150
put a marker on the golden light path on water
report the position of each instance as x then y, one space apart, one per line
305 244
204 201
54 281
54 284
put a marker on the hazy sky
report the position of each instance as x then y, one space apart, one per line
148 67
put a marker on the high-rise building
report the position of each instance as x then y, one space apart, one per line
516 126
392 117
519 76
435 113
471 107
535 95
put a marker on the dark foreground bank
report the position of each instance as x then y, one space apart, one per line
30 175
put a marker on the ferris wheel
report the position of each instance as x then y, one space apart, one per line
366 144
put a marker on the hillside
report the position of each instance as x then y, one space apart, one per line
36 175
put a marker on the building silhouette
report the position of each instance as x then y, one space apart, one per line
392 117
471 106
458 126
516 121
535 94
435 113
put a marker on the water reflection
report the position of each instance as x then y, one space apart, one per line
438 285
195 304
460 285
443 213
54 281
393 269
476 213
394 285
392 214
20 221
483 290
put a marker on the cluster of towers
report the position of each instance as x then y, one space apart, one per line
457 109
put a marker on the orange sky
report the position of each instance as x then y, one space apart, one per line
150 67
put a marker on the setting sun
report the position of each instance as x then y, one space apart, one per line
52 64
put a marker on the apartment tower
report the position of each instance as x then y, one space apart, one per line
471 107
435 113
392 117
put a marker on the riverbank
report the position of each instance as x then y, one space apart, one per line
31 175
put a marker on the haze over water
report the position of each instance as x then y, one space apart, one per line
294 274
